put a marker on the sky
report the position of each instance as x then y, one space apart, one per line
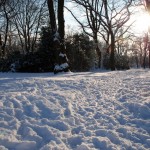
140 18
70 23
142 21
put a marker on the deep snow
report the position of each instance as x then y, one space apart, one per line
75 111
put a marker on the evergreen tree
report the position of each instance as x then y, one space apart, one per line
80 51
45 51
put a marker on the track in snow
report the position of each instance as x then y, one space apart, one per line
79 111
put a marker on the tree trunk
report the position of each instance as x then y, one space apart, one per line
97 49
145 48
61 25
149 54
6 32
60 58
112 53
99 55
1 43
144 59
52 16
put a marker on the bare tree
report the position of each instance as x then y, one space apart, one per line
60 60
116 15
136 49
28 21
2 3
7 13
147 5
92 24
111 16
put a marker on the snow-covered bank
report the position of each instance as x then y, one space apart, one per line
78 111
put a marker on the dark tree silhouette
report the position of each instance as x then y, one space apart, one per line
61 61
147 4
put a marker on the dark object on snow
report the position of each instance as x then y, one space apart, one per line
147 5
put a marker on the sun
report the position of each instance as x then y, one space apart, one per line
142 22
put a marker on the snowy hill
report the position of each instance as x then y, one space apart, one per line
75 111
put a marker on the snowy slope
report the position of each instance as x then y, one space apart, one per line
75 111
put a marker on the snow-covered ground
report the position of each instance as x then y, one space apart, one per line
75 111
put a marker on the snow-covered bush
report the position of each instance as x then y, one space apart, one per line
32 62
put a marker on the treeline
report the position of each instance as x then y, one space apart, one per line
81 53
80 50
32 38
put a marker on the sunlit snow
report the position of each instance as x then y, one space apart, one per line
75 111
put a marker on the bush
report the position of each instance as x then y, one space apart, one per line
40 61
121 62
32 62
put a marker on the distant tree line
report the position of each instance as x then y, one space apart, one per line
33 39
